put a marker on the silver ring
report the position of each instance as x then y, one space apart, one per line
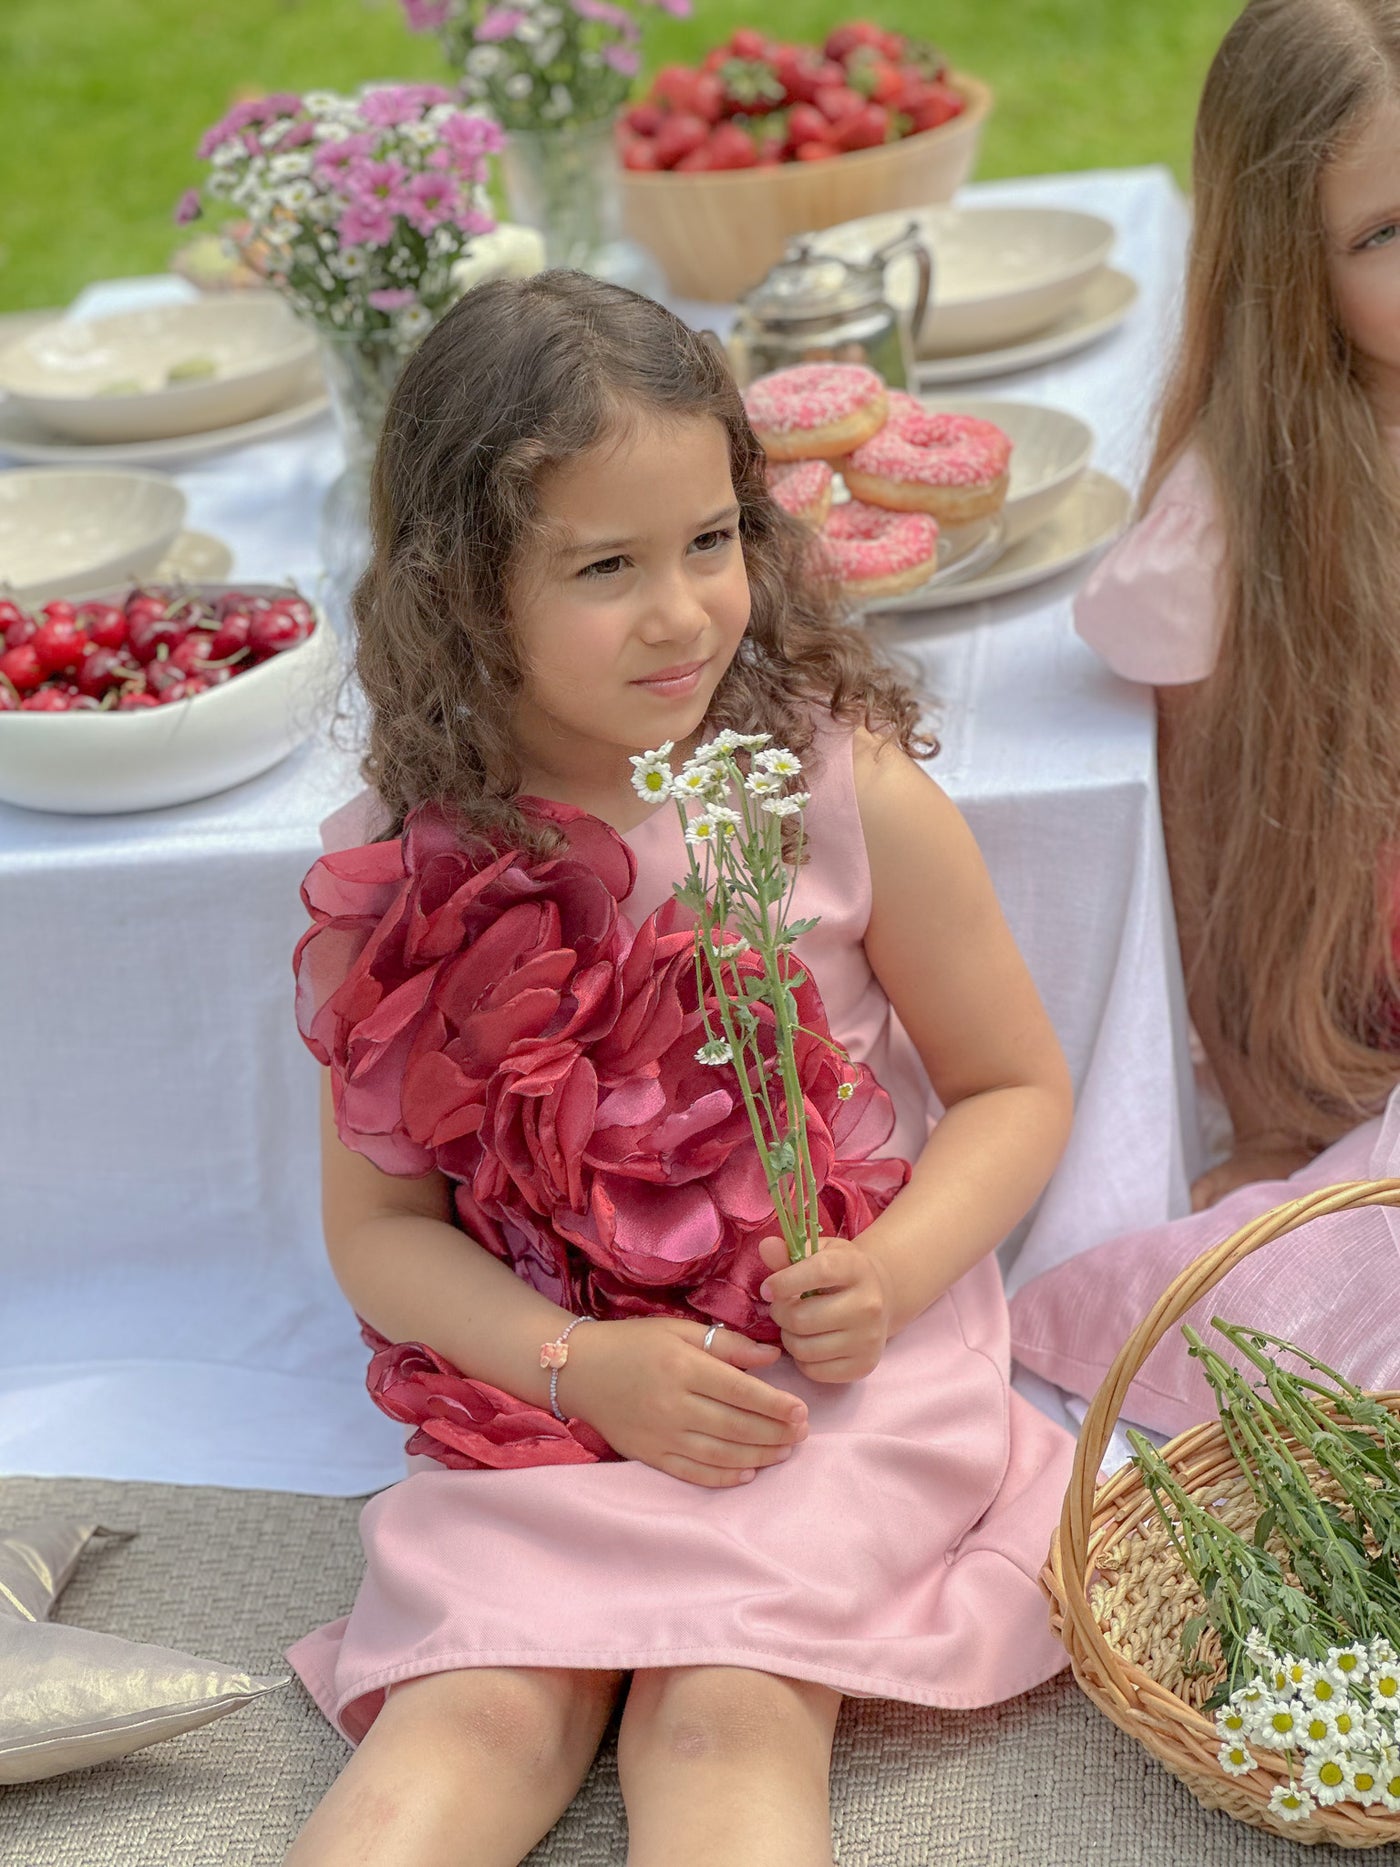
710 1335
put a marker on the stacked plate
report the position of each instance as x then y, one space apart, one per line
1014 288
169 383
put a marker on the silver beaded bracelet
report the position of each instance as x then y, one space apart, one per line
553 1355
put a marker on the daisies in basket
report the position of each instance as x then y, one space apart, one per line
357 209
1306 1608
738 810
541 64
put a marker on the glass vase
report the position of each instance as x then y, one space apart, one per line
563 182
360 373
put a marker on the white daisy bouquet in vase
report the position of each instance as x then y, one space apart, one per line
1301 1618
742 821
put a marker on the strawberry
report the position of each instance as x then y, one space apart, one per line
851 37
644 119
751 87
806 124
679 136
730 148
866 129
803 72
748 42
695 162
837 102
639 155
940 105
814 152
874 77
690 93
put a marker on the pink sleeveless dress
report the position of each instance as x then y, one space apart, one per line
895 1555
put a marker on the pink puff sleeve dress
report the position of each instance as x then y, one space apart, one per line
1151 607
895 1555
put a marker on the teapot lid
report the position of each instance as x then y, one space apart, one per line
807 284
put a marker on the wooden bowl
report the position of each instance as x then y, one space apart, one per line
716 235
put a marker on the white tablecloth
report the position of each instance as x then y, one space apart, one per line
166 1310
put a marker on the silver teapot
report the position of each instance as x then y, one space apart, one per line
816 307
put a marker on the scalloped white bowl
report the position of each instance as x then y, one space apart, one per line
58 374
72 531
97 764
999 273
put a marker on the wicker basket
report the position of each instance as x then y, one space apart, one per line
1118 1593
716 235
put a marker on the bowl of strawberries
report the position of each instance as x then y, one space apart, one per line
724 162
148 695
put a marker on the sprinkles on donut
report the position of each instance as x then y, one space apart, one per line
803 489
952 466
815 411
874 552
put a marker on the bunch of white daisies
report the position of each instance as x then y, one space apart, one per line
1335 1721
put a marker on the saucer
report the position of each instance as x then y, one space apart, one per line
1091 515
963 550
1108 298
194 557
22 438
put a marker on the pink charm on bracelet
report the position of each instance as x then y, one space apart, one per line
554 1354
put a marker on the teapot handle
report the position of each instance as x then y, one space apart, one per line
909 242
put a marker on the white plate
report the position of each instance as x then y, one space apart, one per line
1107 299
161 371
963 550
1050 448
21 437
195 557
1000 274
1092 515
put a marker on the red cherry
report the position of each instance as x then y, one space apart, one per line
105 624
10 612
24 629
48 700
184 690
137 698
9 699
59 611
161 673
146 633
104 668
194 651
144 608
294 606
22 667
274 630
231 635
59 642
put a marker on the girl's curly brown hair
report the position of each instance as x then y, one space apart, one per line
519 377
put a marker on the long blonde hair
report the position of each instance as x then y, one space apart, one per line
1286 776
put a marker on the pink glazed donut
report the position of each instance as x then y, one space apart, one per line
815 410
802 488
874 552
953 466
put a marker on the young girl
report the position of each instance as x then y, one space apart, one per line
1260 594
651 1451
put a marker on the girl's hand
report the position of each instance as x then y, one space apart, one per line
656 1395
839 1334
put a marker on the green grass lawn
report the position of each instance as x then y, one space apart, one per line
104 100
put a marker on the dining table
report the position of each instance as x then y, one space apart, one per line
167 1310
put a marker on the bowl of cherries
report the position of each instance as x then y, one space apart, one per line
152 695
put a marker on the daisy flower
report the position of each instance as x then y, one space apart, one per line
716 1051
1389 1784
1317 1729
1235 1760
697 779
1287 1674
1385 1683
786 806
1292 1803
1320 1688
1347 1665
1325 1776
1276 1724
1363 1781
651 773
781 762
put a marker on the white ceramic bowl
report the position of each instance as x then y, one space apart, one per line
95 764
109 379
1050 450
999 273
71 531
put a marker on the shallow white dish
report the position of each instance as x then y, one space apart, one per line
22 438
118 379
68 533
999 273
1050 448
1105 301
1092 515
194 557
97 764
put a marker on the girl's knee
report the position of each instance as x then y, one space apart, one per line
721 1713
531 1721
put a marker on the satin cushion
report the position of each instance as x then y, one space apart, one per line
70 1697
